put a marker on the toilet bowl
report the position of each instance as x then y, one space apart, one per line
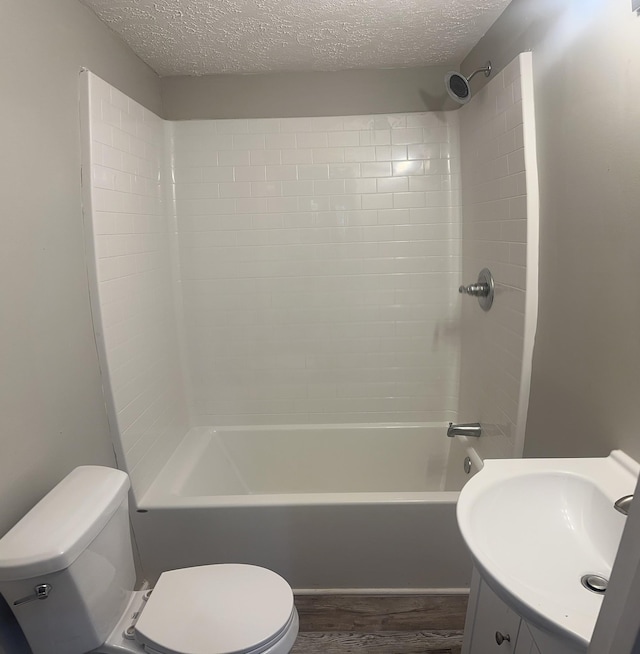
222 608
66 571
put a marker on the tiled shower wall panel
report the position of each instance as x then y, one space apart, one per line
137 332
319 266
494 232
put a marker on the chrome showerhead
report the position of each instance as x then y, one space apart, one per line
458 86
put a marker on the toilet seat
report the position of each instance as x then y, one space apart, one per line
217 609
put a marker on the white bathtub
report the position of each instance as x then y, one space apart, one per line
349 507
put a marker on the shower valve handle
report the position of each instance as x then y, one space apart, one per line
483 289
479 289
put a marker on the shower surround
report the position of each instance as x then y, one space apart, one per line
318 263
301 273
313 264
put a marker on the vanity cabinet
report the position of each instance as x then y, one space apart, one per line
492 627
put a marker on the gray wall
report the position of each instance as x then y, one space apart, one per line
281 95
586 64
52 415
585 393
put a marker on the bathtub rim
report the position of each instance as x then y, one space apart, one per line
173 501
328 426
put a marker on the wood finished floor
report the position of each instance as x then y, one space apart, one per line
380 624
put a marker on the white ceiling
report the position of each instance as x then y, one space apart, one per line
204 37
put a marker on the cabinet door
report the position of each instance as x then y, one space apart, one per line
525 644
492 616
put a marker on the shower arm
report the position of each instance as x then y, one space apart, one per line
486 70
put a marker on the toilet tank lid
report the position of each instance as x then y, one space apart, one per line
63 523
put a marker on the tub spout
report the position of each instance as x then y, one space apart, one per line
467 429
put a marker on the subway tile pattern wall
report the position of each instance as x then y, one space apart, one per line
128 231
319 267
494 235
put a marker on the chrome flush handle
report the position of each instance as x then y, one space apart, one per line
40 592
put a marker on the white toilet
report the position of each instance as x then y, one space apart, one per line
66 571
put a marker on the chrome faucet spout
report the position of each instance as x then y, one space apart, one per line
623 504
467 429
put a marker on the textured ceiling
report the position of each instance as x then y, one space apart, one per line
203 37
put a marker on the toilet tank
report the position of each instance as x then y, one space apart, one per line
77 541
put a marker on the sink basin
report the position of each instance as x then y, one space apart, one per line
535 527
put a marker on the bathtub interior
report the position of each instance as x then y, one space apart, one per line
294 464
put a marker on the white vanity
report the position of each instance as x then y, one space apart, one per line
543 534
